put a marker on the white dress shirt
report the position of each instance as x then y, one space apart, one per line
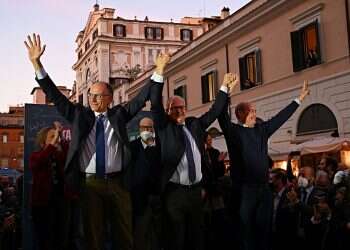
180 175
113 157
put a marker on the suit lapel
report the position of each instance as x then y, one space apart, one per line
114 123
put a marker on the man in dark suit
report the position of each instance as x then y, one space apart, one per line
99 154
285 212
144 188
184 164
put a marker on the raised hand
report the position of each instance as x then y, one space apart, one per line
56 138
35 50
304 91
161 61
230 80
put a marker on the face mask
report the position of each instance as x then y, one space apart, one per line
339 177
302 182
146 135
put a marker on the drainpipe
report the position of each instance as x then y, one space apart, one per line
347 24
227 71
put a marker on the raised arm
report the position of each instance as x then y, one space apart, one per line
35 51
278 120
138 102
229 82
225 121
157 107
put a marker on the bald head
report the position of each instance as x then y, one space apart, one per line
176 108
146 122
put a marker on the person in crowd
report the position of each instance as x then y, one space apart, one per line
47 194
145 188
285 212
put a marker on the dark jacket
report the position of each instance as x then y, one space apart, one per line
146 170
171 135
82 120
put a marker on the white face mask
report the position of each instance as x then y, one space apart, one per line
146 135
339 177
303 182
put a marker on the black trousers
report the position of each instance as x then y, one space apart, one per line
256 217
183 218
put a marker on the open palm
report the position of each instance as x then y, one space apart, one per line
34 48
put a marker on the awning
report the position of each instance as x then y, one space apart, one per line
322 145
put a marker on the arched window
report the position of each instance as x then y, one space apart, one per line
317 118
88 76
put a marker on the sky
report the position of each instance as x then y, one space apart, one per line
58 23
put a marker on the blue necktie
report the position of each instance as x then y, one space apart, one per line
100 147
190 159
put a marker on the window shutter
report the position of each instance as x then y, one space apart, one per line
184 93
124 31
242 71
162 33
258 67
205 92
215 77
297 51
145 30
191 35
182 35
318 49
114 30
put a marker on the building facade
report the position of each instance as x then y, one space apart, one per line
12 138
274 46
116 50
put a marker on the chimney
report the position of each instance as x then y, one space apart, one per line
225 12
96 7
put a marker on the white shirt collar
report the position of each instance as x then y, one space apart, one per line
146 145
99 113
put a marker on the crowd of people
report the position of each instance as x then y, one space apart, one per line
10 212
169 189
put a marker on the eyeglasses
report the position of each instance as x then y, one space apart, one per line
97 96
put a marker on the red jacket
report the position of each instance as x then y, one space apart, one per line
39 164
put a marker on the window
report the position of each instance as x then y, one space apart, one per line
250 70
21 138
95 34
154 33
150 57
181 91
4 162
158 33
317 118
119 30
88 76
81 99
306 47
87 45
209 86
186 35
4 138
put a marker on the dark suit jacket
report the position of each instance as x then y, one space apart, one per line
146 169
171 135
82 120
286 222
